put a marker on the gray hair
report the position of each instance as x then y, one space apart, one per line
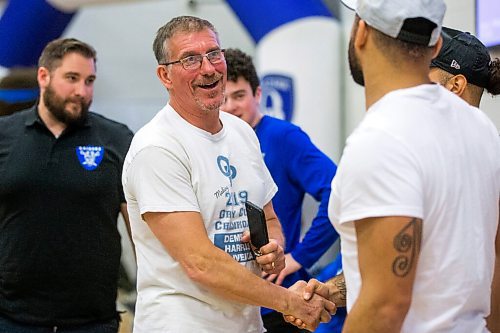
175 25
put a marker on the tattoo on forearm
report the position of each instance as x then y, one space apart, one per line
340 283
407 243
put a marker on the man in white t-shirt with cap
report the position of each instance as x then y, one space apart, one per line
415 198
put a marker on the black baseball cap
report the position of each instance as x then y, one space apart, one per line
462 53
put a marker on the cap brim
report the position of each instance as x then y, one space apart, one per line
351 4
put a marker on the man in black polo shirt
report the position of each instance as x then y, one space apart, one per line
60 196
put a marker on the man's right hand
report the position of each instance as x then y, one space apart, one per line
307 314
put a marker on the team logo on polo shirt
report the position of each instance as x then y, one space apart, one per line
90 156
278 96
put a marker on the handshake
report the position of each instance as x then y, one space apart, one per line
307 303
311 303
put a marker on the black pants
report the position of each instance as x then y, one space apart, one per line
275 323
9 326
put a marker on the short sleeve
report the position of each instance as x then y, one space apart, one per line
378 176
160 182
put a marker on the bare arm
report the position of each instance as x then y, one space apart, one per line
338 290
388 251
209 266
123 210
274 225
276 253
493 319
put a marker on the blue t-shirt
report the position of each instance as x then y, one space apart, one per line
298 167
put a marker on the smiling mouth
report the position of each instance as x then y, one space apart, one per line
209 86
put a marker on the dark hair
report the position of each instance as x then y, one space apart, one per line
175 25
393 46
19 79
239 64
494 82
55 51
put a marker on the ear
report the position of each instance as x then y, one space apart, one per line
437 47
258 94
361 34
457 84
43 77
164 75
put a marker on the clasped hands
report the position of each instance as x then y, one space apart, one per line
317 294
310 303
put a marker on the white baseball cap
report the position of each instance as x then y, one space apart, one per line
413 21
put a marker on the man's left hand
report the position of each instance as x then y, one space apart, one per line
272 258
291 266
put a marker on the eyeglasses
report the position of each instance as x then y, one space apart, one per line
194 61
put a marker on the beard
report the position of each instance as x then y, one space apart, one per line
215 103
57 106
209 107
354 66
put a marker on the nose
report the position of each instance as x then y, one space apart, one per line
206 66
82 89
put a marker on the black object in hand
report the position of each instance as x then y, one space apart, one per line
258 226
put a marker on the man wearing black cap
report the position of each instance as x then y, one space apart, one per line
464 67
415 198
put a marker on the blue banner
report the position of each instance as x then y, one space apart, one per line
18 95
262 16
26 26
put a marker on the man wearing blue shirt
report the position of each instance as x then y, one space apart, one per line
296 165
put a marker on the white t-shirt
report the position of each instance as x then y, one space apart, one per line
423 152
174 166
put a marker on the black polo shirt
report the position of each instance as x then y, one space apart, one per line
59 203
